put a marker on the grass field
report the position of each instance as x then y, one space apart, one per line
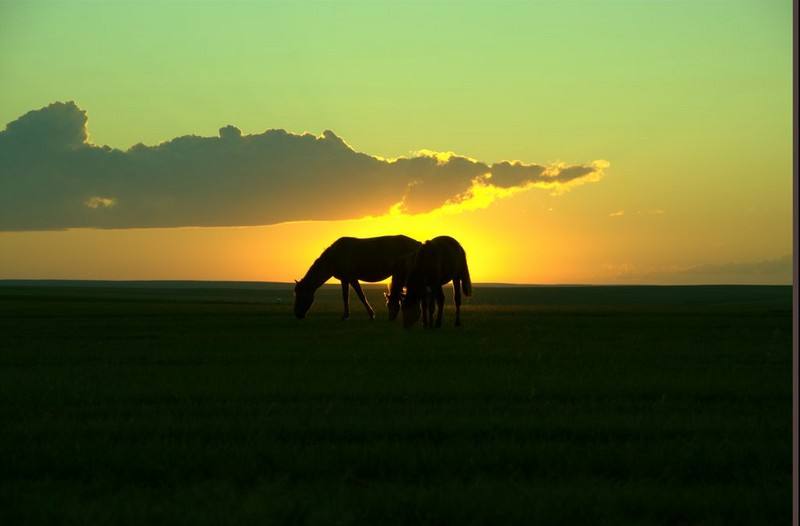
211 404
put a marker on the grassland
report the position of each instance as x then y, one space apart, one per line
551 405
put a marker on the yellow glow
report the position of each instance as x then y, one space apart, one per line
441 157
273 253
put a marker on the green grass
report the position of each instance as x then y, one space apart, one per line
551 405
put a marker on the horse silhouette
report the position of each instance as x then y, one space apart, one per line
349 260
438 261
397 288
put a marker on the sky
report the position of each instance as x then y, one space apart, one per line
559 142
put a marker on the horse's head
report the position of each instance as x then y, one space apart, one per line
303 298
412 309
393 302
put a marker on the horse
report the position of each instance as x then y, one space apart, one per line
438 261
349 260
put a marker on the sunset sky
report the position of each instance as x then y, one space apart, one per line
646 142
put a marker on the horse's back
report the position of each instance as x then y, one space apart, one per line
391 244
444 248
368 259
446 244
442 259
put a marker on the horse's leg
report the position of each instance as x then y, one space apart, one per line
346 299
457 298
425 306
429 300
439 294
360 294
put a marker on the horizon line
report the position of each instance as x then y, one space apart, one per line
64 281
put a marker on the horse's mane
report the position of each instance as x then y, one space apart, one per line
315 266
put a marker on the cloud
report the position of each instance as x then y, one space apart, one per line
53 177
776 271
651 212
100 202
780 268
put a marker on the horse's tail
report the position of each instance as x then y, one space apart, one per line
466 283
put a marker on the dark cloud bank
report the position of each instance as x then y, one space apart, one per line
51 177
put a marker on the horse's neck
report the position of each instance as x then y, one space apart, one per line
318 274
400 274
418 273
398 282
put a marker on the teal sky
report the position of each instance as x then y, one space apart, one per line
690 101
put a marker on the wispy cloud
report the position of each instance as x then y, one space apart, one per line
767 271
650 212
52 177
100 202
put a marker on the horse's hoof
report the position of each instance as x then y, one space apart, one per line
345 317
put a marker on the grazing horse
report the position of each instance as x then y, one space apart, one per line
438 261
350 259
